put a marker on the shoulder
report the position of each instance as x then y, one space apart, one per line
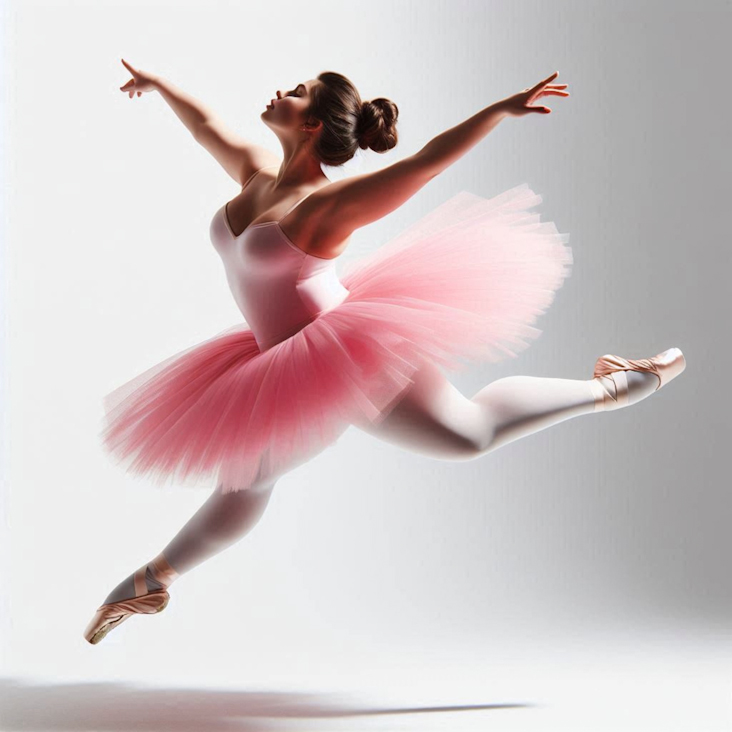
316 227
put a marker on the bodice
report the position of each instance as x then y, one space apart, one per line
278 287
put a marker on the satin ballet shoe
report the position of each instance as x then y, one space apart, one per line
666 365
112 614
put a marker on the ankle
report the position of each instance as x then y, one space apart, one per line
622 388
160 573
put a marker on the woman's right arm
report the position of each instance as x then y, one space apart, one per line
239 157
362 199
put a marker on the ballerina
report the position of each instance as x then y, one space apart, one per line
318 353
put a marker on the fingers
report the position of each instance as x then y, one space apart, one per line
126 86
543 89
545 81
129 86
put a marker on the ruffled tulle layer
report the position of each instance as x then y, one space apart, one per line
464 283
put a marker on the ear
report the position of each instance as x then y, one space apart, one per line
312 125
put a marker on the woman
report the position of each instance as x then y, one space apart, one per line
317 352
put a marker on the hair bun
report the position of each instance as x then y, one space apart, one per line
377 125
350 124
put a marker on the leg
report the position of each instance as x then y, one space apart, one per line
435 419
220 522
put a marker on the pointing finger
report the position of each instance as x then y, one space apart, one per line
546 81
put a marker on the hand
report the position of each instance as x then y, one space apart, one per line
140 81
518 104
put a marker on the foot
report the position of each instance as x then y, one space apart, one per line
619 382
146 595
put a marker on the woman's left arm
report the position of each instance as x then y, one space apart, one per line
449 146
349 204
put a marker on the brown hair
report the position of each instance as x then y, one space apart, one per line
349 122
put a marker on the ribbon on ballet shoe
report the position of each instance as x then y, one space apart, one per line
162 571
599 394
140 583
604 400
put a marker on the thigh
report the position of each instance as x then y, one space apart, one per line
433 418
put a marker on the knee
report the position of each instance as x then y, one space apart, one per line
464 448
477 443
262 487
258 491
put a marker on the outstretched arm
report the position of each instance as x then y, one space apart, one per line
357 201
239 157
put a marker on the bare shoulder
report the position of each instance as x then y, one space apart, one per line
314 227
237 155
336 210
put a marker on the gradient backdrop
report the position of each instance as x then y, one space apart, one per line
582 571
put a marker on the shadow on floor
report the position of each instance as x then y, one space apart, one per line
122 707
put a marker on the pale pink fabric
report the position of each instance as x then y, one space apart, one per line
278 287
464 283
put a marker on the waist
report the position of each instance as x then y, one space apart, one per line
265 341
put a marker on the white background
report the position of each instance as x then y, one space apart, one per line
582 571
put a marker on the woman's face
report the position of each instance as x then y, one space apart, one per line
287 109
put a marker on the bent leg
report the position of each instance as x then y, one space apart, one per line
221 521
432 418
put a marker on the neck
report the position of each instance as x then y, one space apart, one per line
299 168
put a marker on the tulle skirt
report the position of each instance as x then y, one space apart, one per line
464 284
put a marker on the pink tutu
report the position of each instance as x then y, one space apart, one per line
464 283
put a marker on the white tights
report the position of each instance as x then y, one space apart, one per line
433 418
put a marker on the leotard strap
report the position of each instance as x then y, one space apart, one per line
294 205
255 172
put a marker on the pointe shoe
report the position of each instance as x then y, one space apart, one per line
112 614
666 365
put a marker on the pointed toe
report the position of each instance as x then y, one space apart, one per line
113 614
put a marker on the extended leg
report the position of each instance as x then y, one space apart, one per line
435 419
